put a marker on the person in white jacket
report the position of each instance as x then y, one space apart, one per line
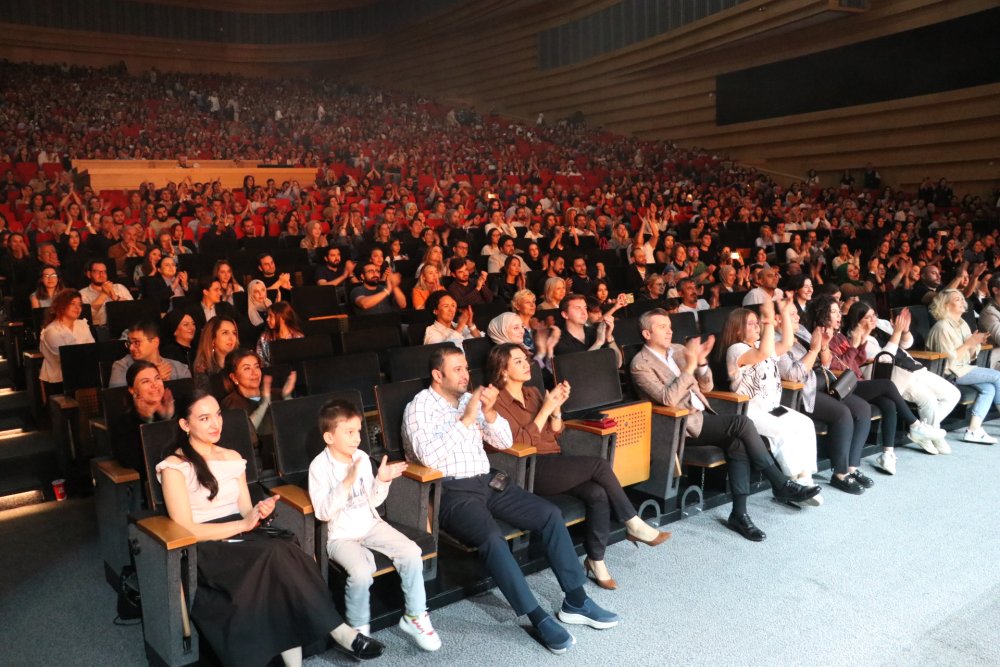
346 494
934 396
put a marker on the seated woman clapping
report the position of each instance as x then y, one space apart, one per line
537 420
952 336
751 356
258 596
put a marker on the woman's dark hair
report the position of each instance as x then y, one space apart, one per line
170 322
857 312
596 284
795 283
818 311
233 360
136 368
40 292
435 299
181 442
497 362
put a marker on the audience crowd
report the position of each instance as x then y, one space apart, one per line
564 231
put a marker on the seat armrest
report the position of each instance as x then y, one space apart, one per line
422 474
518 450
64 402
116 472
730 396
168 533
986 346
670 411
792 386
927 355
294 496
578 425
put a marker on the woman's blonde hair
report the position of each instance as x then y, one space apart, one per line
938 307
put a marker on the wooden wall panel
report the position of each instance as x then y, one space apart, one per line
664 87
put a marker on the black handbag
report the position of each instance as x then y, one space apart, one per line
840 387
882 366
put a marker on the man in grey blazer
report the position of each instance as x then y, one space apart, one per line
678 376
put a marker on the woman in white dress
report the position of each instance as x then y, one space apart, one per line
752 367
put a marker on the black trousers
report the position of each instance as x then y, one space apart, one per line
591 480
850 421
468 509
744 447
884 394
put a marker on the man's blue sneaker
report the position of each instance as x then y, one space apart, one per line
589 614
554 636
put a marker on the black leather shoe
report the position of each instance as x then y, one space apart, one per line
794 492
847 484
744 526
862 479
362 648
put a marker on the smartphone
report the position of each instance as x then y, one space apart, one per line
734 255
780 410
630 298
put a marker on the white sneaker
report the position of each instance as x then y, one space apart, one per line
886 462
942 446
365 629
924 435
421 630
980 436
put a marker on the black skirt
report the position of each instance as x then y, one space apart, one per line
259 597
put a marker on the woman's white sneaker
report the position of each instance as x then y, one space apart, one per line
979 436
925 435
420 628
886 462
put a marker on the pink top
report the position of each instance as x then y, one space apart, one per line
225 502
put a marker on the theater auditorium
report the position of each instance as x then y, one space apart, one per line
472 332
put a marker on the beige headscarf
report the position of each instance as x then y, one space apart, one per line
254 308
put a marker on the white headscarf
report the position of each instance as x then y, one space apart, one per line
254 308
501 329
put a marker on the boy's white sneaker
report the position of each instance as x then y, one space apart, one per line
420 628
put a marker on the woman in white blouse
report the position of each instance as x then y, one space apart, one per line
446 328
952 336
62 326
751 363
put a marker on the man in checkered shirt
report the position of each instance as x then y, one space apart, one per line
444 427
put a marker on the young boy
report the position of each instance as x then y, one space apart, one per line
345 493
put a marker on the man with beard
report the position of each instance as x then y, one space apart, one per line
377 294
332 271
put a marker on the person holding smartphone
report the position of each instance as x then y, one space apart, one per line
751 357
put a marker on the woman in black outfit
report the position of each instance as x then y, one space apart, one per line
178 337
258 596
849 420
148 401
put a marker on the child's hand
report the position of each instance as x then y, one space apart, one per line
390 471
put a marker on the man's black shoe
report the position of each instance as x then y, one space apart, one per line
862 479
847 484
362 648
744 526
794 492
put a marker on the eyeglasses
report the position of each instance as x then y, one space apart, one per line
136 342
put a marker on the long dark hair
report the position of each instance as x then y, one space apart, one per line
497 362
857 312
188 453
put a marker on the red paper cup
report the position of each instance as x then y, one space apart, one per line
59 488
